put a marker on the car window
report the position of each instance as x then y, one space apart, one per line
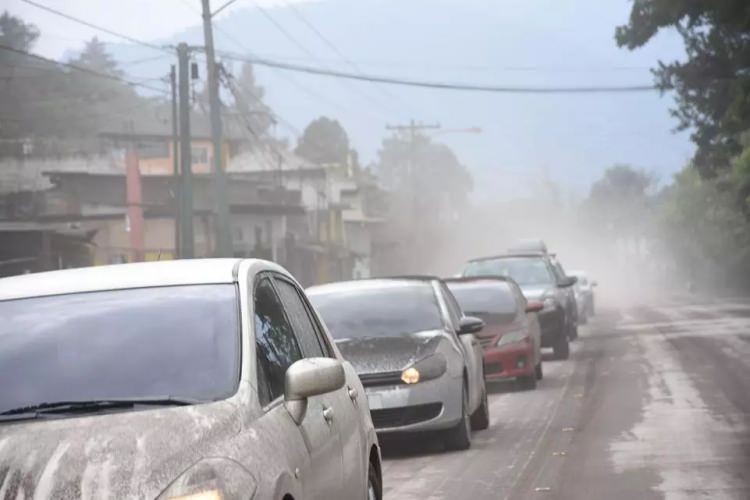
133 343
454 310
300 319
389 311
526 271
276 345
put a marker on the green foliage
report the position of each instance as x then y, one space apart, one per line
713 84
705 230
324 141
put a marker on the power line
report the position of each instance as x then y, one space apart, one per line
82 69
99 28
304 49
472 87
330 44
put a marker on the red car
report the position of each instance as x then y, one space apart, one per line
511 337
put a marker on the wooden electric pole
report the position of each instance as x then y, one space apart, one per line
187 242
223 237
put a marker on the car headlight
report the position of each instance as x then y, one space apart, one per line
425 369
512 338
211 479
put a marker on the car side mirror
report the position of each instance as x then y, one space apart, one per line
310 377
470 324
534 306
568 282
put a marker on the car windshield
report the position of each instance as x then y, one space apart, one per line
488 298
179 341
526 271
390 311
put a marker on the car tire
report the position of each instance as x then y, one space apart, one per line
562 347
374 485
458 437
573 330
527 383
480 419
538 372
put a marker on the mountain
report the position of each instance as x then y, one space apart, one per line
570 138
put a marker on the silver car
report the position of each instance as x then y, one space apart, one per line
201 379
584 290
414 351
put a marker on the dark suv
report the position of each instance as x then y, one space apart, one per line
541 279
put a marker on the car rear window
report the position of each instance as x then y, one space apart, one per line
180 341
526 271
390 311
489 300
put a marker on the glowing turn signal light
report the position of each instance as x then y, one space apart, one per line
410 376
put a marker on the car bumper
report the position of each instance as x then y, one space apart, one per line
551 326
511 361
425 406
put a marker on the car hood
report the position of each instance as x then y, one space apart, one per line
134 454
388 354
536 292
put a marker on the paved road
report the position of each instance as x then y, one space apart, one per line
654 403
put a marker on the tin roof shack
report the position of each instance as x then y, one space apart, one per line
263 214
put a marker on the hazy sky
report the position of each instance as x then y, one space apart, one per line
160 19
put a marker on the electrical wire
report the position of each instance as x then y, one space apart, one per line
472 87
100 28
377 106
82 69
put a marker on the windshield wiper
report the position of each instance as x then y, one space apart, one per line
98 404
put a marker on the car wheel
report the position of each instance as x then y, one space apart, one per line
583 318
527 383
374 488
538 372
480 419
573 330
561 347
459 436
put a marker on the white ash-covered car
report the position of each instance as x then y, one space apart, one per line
414 351
199 379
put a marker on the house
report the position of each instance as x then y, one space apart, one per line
339 244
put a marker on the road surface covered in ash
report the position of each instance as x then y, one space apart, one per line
654 403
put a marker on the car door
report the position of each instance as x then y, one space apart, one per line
530 322
344 402
473 354
277 347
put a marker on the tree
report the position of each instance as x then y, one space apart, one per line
713 84
96 58
16 33
324 141
249 104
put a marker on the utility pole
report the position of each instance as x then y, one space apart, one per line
187 243
175 162
223 237
134 197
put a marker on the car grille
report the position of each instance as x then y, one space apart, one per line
406 415
486 342
380 379
494 367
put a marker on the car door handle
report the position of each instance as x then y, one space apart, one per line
328 413
352 394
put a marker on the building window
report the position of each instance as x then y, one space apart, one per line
153 149
199 154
